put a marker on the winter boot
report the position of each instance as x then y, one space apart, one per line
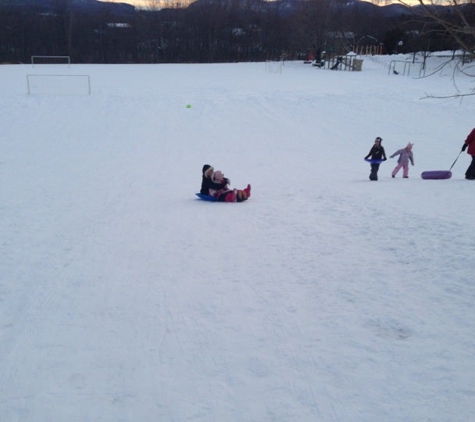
248 191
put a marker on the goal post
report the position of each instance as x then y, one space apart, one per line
50 60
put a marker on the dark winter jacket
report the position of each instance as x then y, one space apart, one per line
207 184
377 153
470 141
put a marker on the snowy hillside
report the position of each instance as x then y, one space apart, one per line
324 297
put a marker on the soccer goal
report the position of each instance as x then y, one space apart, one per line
58 84
274 66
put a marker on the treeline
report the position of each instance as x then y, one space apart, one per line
211 31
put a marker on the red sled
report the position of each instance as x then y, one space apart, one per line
436 174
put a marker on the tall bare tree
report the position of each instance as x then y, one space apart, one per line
455 21
455 17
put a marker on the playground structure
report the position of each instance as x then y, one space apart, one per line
406 67
350 62
369 50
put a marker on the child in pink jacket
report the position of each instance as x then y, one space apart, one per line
405 155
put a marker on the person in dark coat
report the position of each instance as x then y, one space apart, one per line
470 144
207 183
376 153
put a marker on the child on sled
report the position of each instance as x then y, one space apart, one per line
214 184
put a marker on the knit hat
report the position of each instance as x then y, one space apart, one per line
207 170
409 145
217 176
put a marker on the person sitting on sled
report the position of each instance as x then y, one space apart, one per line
376 153
470 143
217 177
405 155
216 185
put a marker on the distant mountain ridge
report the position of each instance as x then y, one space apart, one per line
88 6
96 6
289 5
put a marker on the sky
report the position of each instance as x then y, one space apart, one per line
151 3
324 297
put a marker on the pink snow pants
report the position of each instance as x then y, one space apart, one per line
405 170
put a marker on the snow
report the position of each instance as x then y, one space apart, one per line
324 297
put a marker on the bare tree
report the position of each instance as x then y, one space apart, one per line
453 20
456 18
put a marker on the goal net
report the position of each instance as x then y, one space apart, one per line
274 66
58 84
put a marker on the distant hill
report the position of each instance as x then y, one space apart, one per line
86 6
287 6
284 6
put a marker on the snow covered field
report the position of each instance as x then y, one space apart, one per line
325 297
